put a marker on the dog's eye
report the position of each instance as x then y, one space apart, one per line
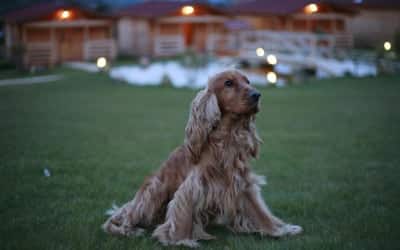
228 83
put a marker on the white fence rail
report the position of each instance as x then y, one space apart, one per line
167 45
344 40
39 53
285 42
99 48
299 43
218 42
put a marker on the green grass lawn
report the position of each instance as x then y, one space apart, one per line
330 153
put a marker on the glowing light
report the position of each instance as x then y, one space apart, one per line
271 59
64 14
311 8
260 52
387 46
101 62
272 77
187 10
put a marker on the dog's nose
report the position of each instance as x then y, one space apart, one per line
255 95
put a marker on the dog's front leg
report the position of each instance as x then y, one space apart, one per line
254 216
183 225
141 211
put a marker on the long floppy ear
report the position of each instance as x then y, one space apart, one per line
204 116
254 137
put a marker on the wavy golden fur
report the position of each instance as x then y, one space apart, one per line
209 178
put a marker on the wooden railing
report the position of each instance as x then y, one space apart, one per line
167 45
39 54
286 42
344 41
221 42
99 48
309 44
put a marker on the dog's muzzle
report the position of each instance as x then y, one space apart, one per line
254 95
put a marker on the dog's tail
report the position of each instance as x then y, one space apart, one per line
114 208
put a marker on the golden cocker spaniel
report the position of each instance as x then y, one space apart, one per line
209 178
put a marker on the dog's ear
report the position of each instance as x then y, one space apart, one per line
204 116
254 137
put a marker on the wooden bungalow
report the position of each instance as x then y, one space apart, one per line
300 18
46 34
376 21
163 28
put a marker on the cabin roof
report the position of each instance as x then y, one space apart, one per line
154 9
283 7
287 7
369 4
39 10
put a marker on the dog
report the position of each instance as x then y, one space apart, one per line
208 179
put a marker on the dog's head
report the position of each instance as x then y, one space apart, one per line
228 94
234 93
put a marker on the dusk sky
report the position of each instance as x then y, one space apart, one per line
6 5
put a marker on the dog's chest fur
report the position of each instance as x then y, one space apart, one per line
232 144
228 173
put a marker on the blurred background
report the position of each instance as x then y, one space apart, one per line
95 94
274 42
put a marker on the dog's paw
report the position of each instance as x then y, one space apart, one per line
292 229
187 243
286 230
135 232
111 211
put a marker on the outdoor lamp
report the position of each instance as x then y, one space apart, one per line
272 77
187 10
271 59
387 46
260 52
101 63
64 14
311 8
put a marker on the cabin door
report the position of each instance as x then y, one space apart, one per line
195 36
70 44
188 33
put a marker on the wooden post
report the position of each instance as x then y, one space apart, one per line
156 38
110 27
308 25
85 42
24 45
334 25
23 34
85 33
9 39
209 46
287 24
53 42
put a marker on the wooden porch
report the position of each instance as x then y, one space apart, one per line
47 43
175 35
47 53
294 43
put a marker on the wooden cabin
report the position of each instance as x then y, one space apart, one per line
304 18
377 21
164 28
46 34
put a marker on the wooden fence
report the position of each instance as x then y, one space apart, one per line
309 44
39 54
168 45
99 48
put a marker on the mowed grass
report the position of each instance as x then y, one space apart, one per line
330 153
